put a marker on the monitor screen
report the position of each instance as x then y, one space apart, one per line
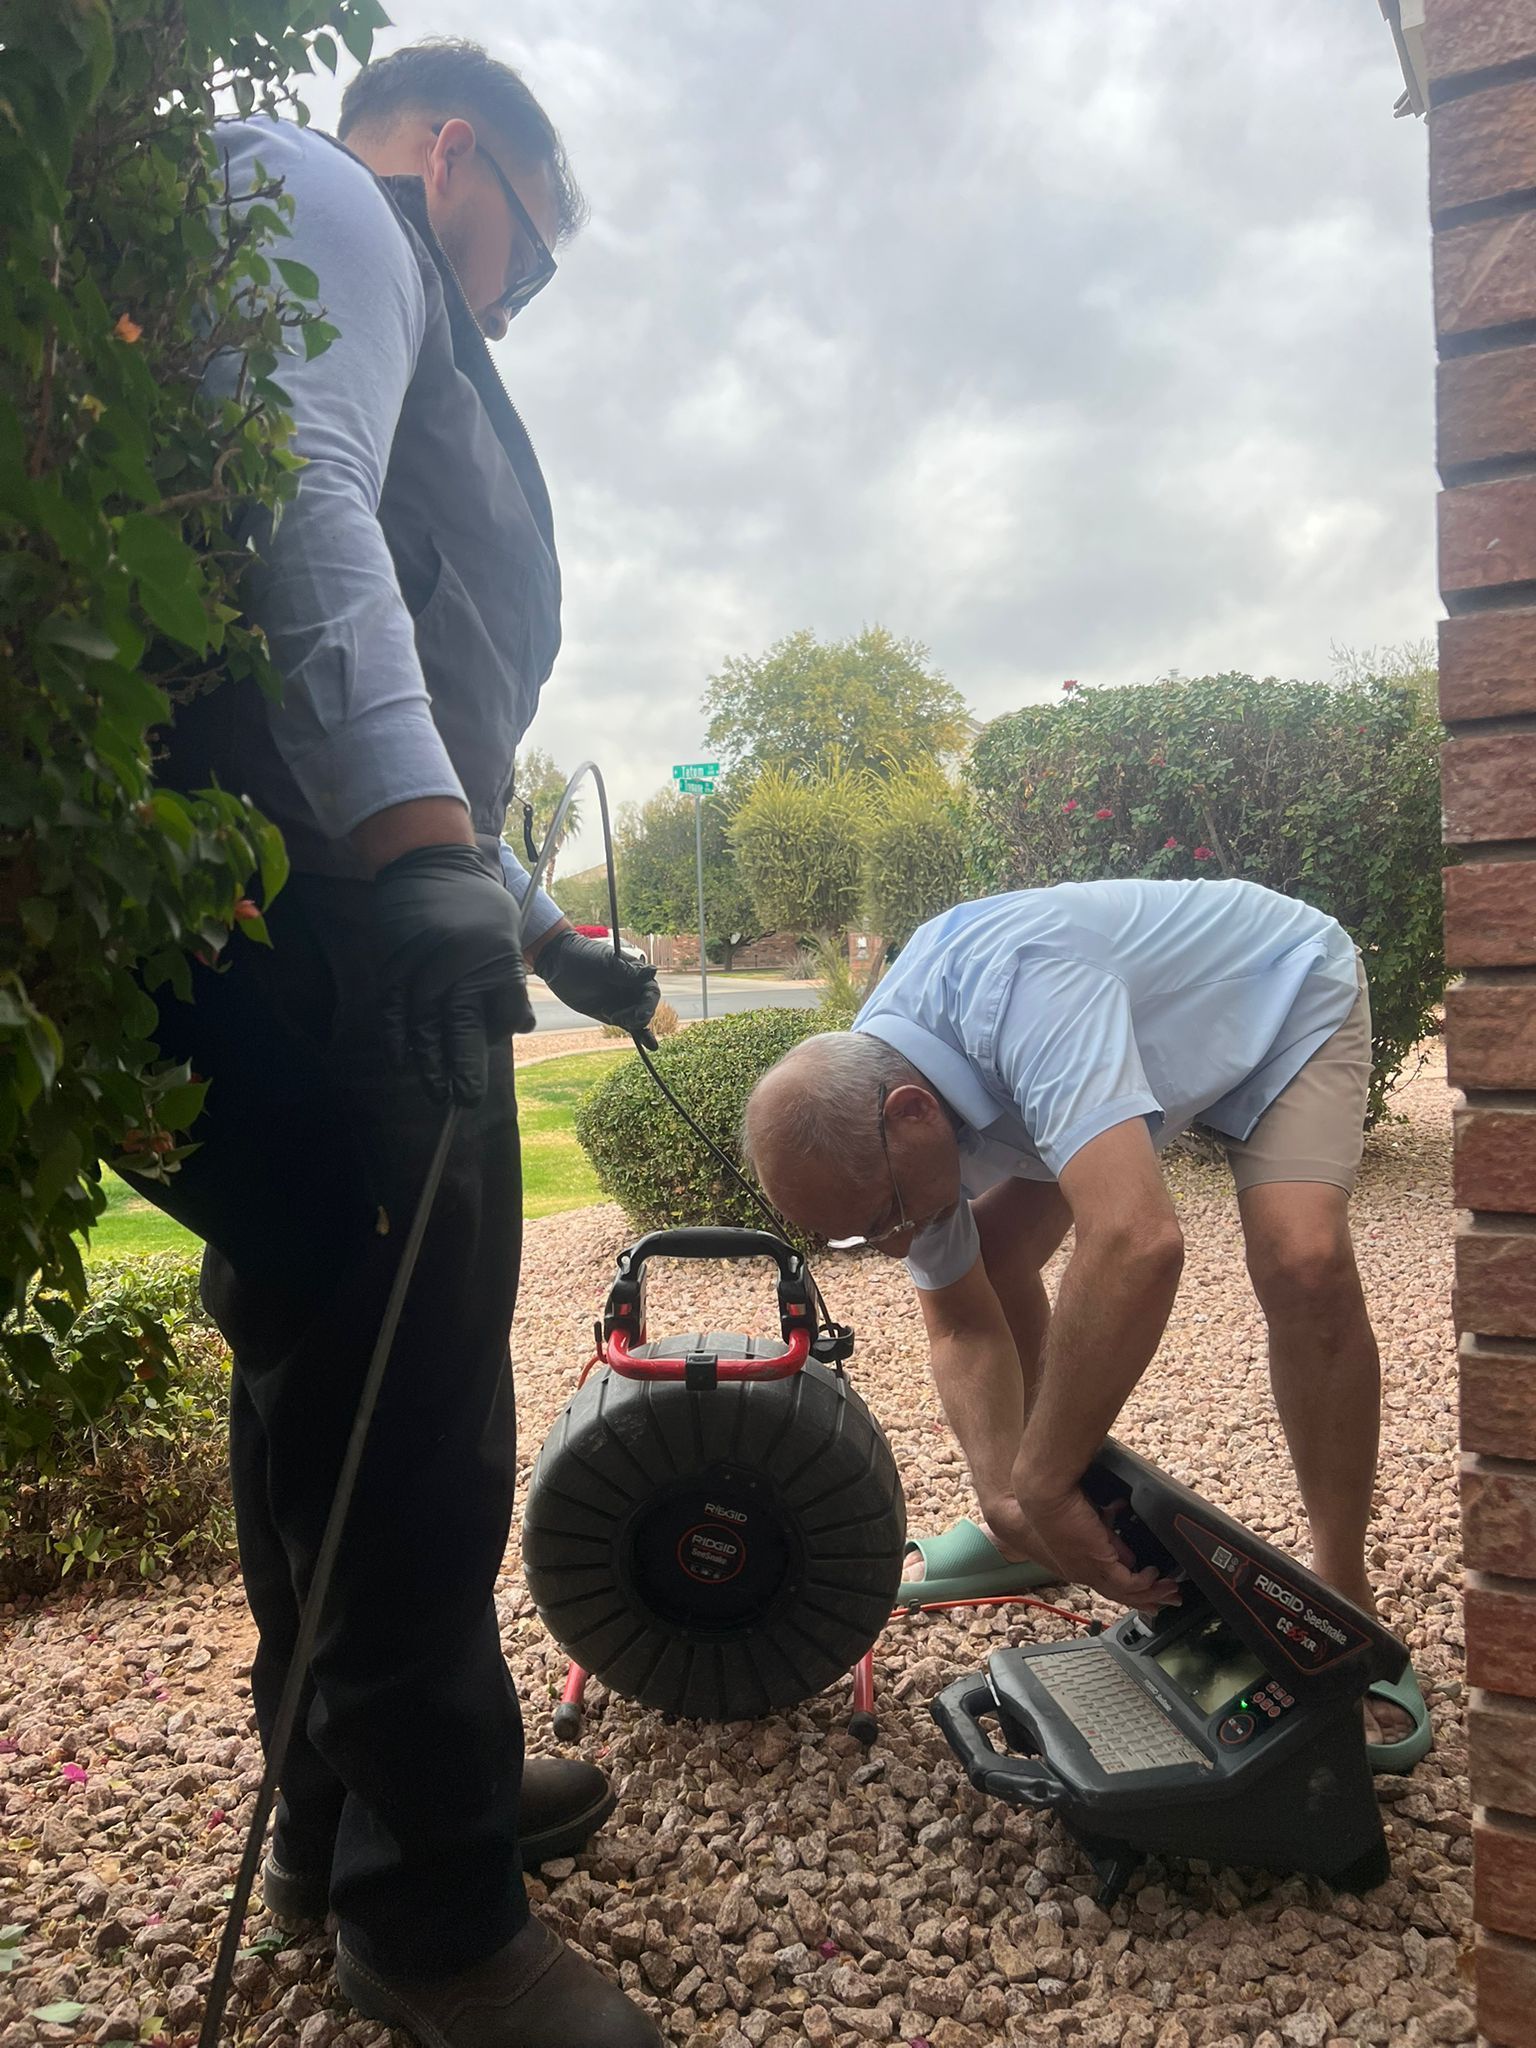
1210 1663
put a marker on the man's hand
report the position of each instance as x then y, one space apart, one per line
1074 1536
450 966
592 978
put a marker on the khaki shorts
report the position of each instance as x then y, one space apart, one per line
1315 1127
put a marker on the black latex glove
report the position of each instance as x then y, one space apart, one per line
600 983
451 980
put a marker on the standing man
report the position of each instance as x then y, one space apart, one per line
1013 1077
410 595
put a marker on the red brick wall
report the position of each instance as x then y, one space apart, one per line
1482 145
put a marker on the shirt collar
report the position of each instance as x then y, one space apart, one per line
949 1071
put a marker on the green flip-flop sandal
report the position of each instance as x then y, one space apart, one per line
965 1564
1403 1692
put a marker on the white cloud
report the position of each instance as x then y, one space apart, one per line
1074 340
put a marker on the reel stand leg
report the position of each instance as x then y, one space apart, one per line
862 1725
567 1717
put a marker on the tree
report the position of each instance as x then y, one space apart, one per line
584 896
1327 792
126 271
871 701
539 782
799 843
914 854
658 884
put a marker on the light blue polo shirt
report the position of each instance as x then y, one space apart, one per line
1046 1017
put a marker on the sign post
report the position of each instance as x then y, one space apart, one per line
697 779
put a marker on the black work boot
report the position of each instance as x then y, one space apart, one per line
534 1993
564 1803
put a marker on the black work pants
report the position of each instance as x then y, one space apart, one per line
405 1770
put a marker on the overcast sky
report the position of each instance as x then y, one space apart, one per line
1077 338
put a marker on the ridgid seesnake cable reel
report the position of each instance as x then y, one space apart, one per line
715 1525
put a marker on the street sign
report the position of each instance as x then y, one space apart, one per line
690 769
689 785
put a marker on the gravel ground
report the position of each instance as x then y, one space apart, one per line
764 1886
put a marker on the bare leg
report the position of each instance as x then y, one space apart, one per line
1326 1375
1021 1223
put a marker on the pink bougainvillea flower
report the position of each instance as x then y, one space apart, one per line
1169 845
1070 805
1103 814
828 1948
245 909
216 1818
1202 853
1071 683
126 329
73 1774
9 1746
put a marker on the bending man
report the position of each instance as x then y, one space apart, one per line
1013 1076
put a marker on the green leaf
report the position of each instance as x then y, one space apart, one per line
177 609
318 336
274 859
80 635
40 919
298 277
64 2014
178 1108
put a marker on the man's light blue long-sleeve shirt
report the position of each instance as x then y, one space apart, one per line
355 725
1046 1017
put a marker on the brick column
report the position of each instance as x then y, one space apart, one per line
1481 56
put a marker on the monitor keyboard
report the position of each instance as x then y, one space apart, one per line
1123 1728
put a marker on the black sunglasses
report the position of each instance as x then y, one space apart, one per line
542 267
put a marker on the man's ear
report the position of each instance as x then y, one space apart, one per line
910 1104
452 147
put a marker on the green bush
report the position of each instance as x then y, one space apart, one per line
1323 791
125 271
798 840
914 854
643 1153
136 1485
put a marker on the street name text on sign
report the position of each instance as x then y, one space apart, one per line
696 779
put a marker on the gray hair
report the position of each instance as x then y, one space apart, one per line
820 1098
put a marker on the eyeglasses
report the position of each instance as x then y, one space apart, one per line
541 265
903 1221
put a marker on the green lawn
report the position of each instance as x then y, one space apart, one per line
556 1174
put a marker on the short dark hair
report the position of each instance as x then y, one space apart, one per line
447 77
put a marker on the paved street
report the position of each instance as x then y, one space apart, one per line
682 992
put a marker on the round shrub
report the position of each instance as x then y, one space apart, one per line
120 1470
1323 791
645 1155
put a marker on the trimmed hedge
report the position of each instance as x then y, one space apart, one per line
645 1155
1326 792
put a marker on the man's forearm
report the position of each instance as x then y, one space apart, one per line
402 828
1109 1318
981 1391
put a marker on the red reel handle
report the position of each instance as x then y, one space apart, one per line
617 1354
